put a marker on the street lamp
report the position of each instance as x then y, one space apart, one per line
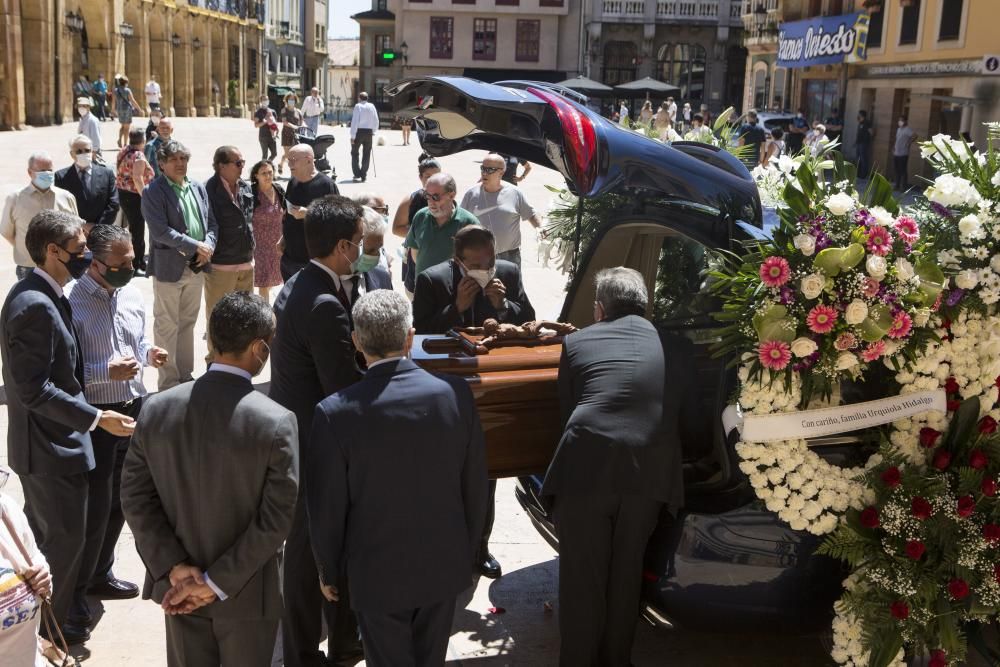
126 30
74 22
175 40
196 43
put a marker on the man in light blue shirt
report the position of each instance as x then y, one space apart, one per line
364 125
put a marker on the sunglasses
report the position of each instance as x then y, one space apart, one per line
82 151
436 197
239 163
490 170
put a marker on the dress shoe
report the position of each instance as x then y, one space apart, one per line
75 634
349 656
114 589
140 272
490 568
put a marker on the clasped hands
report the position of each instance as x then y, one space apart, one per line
468 288
188 591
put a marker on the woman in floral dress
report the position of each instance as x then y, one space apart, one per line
269 207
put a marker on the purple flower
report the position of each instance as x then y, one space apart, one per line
955 296
864 217
941 210
822 241
787 295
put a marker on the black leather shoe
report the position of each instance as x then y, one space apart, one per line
75 634
490 568
114 589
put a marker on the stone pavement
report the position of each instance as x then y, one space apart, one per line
131 632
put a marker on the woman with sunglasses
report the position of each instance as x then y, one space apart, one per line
269 209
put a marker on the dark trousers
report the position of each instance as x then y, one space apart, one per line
56 507
289 267
902 176
132 207
491 510
363 138
602 540
511 256
408 638
100 106
864 160
199 641
300 624
268 145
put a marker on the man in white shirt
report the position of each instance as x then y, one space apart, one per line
88 124
21 206
312 109
364 125
623 114
153 93
672 111
905 136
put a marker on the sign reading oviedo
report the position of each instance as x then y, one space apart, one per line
823 40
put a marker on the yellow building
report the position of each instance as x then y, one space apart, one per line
193 47
927 61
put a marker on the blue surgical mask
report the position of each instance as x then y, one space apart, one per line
44 180
364 263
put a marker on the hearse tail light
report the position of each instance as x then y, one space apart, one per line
579 139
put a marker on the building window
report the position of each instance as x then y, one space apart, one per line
512 3
822 97
620 60
441 36
484 39
683 65
550 3
528 34
252 64
876 22
951 20
383 43
909 24
760 89
382 99
234 61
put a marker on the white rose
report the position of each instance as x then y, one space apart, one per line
876 267
840 203
970 227
922 316
812 285
949 190
856 312
967 279
803 347
882 216
805 243
904 270
846 361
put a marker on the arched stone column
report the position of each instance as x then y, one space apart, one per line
183 64
202 67
12 108
41 59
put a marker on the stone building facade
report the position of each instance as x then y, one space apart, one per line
193 47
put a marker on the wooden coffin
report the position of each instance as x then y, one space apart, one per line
515 390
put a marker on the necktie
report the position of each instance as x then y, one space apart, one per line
342 297
85 181
68 320
354 289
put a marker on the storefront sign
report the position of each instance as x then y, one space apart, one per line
923 69
991 64
823 40
840 419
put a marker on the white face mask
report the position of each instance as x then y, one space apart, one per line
482 276
83 111
901 123
83 160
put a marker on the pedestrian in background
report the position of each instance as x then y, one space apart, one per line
797 131
182 231
100 95
41 194
364 125
863 144
164 133
306 186
312 110
88 125
266 121
407 476
405 212
775 147
510 169
125 105
905 136
209 489
92 184
134 174
291 121
269 207
152 93
646 114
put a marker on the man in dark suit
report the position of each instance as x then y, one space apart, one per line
466 291
93 185
48 432
314 357
208 489
471 288
617 465
396 491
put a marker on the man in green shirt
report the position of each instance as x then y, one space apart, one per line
431 236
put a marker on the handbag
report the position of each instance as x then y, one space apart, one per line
52 629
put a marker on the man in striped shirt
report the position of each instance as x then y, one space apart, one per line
110 320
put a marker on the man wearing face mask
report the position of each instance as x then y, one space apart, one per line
209 489
20 207
796 134
110 319
88 125
371 264
50 422
92 184
313 357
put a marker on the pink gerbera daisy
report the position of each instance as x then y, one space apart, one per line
901 325
775 272
873 351
879 241
845 341
774 354
821 319
870 287
907 228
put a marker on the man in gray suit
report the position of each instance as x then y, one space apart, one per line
182 233
209 489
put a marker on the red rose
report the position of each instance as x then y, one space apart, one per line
929 437
869 517
899 610
987 425
951 386
958 589
997 381
921 508
942 459
977 458
966 506
891 476
989 487
938 658
952 406
946 322
915 549
991 532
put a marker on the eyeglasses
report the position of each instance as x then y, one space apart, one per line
490 170
238 163
82 151
436 197
384 210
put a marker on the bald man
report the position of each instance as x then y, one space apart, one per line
306 186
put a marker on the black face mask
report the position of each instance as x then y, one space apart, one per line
78 264
117 277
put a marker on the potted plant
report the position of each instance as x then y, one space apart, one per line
232 93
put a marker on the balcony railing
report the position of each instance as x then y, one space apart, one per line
688 10
624 8
244 9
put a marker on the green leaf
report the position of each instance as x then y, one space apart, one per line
963 424
879 193
885 648
932 280
877 324
797 202
808 181
773 323
832 261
